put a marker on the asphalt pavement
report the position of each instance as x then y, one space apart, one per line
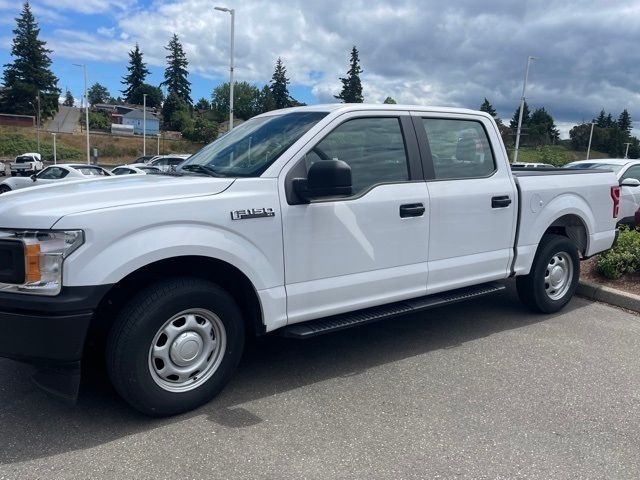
65 120
477 390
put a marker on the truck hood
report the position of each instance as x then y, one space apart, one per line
41 207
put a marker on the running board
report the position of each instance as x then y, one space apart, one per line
334 323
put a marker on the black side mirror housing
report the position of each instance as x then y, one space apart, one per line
326 178
33 177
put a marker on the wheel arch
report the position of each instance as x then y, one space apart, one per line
573 227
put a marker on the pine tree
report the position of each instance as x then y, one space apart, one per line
601 121
30 71
390 101
279 86
487 107
542 128
175 75
69 101
98 94
137 73
526 117
624 122
351 85
266 102
202 104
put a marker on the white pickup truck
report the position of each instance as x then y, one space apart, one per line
26 164
303 221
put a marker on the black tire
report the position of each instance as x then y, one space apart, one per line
532 288
4 189
130 339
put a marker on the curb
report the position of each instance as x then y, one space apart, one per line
609 295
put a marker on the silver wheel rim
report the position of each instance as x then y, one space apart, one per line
558 275
187 350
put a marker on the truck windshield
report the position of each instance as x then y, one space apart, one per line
250 148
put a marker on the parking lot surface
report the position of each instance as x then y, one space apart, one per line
482 389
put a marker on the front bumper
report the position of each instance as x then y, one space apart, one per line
50 333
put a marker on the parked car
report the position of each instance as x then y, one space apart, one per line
304 221
54 174
144 158
628 173
26 164
168 163
4 168
135 168
531 165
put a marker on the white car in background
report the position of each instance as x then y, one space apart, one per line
168 163
54 174
135 169
628 173
27 163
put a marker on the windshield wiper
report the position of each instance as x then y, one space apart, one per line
204 169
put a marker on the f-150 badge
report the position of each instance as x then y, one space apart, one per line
252 213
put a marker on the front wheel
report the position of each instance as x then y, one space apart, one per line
554 275
175 346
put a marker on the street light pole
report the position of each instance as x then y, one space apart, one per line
158 145
522 100
144 124
626 152
55 156
590 137
38 120
233 17
86 109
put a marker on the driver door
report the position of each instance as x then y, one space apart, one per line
344 254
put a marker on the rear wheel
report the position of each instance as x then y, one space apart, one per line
554 275
175 346
4 189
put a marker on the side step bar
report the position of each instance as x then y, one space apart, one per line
334 323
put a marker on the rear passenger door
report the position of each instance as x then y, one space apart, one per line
473 201
344 254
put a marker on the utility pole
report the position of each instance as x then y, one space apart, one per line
38 121
626 152
522 100
233 17
590 137
55 156
158 145
86 109
144 124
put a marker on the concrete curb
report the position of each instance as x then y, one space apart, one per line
609 295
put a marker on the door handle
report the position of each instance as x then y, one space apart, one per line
500 202
412 210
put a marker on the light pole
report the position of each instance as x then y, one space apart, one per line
522 100
626 152
590 137
86 109
55 156
144 124
158 145
233 17
39 118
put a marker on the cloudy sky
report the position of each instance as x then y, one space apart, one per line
434 52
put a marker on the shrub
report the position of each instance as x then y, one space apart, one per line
623 258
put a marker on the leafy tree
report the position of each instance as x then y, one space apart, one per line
266 102
526 116
389 101
624 122
203 104
175 75
351 84
202 130
171 107
99 120
245 102
487 107
69 101
542 128
279 86
138 72
30 71
154 95
98 94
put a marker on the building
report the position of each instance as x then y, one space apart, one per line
136 117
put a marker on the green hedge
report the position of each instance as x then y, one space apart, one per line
14 144
623 258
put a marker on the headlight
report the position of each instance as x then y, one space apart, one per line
31 261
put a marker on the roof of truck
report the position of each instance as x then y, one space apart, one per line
332 107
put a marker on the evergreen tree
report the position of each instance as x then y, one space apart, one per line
69 101
279 86
173 106
202 104
266 102
389 101
30 71
351 85
137 73
542 128
175 75
624 122
601 121
526 117
98 94
609 122
487 107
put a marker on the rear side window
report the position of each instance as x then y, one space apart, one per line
373 147
459 148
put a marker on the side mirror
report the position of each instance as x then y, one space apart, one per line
33 177
326 178
630 182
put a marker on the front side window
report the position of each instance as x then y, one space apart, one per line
52 173
373 148
251 147
632 172
459 148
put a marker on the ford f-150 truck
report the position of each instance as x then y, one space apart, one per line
303 221
26 164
